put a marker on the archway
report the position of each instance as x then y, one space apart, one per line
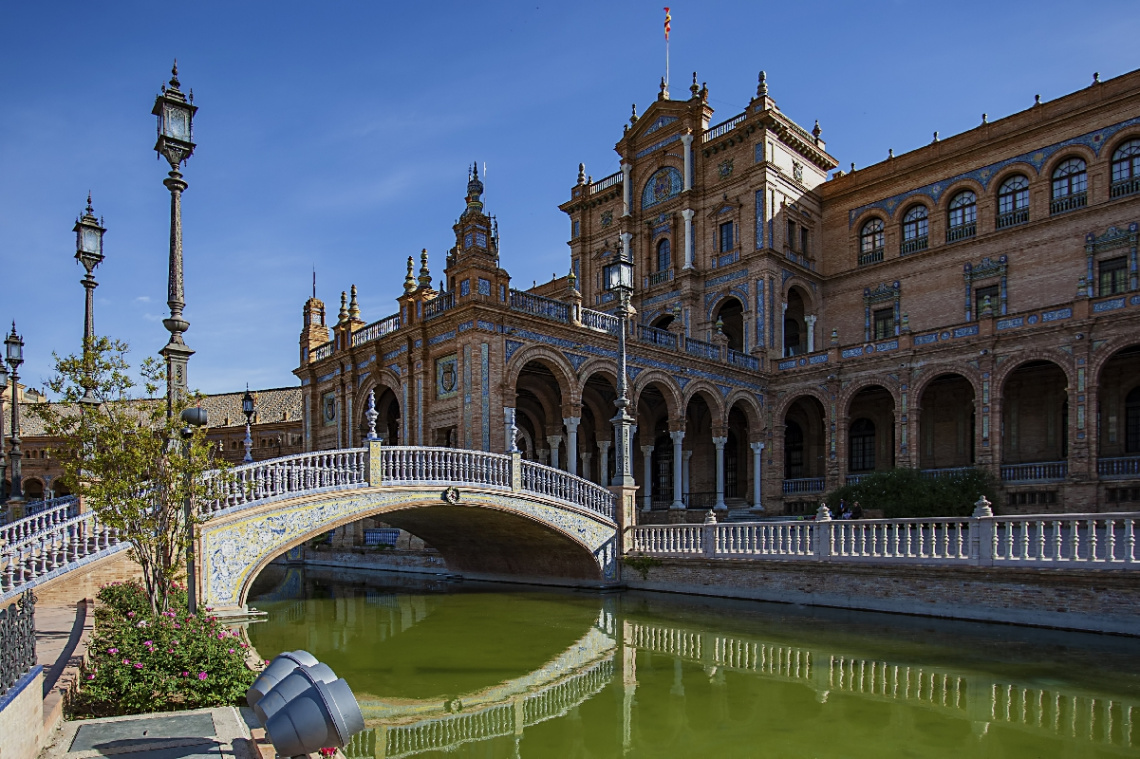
1035 409
1118 412
539 403
870 431
805 441
795 337
387 419
946 424
731 316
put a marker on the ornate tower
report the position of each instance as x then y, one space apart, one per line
473 264
314 332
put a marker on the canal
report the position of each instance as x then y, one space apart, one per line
479 670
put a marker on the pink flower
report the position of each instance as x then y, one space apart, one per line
130 613
112 651
148 643
186 674
170 650
138 665
91 677
231 650
201 675
177 626
126 661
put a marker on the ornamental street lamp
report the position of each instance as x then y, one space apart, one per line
175 114
191 417
15 345
619 280
89 252
249 408
3 461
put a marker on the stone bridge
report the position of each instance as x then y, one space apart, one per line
489 515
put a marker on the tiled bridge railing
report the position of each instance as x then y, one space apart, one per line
1090 541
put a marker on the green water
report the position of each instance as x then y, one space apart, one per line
488 671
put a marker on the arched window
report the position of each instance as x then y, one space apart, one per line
793 451
1013 202
963 217
1126 169
1070 186
664 255
1132 421
916 225
861 446
871 241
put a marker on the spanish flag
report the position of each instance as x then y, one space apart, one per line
668 18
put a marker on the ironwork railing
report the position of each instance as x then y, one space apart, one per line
1069 202
702 349
723 128
1039 471
1123 466
803 485
743 360
376 330
438 305
1013 218
942 472
656 336
658 277
17 641
871 257
539 305
321 352
600 321
961 232
1125 187
917 244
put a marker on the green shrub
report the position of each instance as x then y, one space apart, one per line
139 662
906 494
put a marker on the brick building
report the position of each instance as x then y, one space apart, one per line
974 302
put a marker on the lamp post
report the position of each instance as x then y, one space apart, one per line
175 114
89 252
191 417
249 408
619 280
15 345
3 461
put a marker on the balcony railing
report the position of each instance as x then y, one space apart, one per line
855 479
872 257
321 352
661 276
601 322
803 485
376 330
1013 218
1123 466
1125 187
911 246
943 472
961 232
1041 471
743 360
442 302
702 349
538 305
1069 202
606 183
723 128
656 336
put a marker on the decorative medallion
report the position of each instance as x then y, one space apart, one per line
664 184
607 218
328 407
451 495
797 171
724 169
447 376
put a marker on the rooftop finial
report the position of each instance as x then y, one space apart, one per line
343 307
664 90
581 173
816 131
633 116
694 87
1096 77
985 118
90 210
425 275
353 306
890 152
762 87
1036 100
314 282
410 280
174 75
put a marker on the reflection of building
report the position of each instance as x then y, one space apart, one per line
276 431
972 302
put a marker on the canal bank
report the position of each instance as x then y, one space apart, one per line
1103 601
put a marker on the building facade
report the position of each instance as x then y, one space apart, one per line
974 302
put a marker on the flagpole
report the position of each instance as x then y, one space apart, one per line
668 19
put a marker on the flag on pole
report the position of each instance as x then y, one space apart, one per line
668 18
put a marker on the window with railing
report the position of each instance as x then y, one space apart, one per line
872 240
1126 169
915 229
1013 202
664 255
884 323
1112 276
1070 186
962 219
1132 421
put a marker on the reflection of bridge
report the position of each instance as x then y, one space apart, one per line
487 514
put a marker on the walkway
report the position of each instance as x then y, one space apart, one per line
199 734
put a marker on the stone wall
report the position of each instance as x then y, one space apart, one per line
85 582
1099 601
21 715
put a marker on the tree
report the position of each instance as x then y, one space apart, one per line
133 467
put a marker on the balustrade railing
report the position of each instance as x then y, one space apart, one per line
539 305
408 465
438 305
723 128
763 539
49 514
1012 218
563 486
855 479
60 546
661 337
914 245
669 540
600 321
1069 203
942 472
743 360
321 352
943 540
658 277
18 638
1040 471
606 183
1066 539
1124 466
376 330
702 349
803 485
290 475
1125 187
961 232
871 257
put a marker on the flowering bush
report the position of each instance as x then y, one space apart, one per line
139 662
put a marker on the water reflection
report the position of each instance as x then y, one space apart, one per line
507 672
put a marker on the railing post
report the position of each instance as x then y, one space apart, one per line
708 535
375 472
516 471
822 528
982 534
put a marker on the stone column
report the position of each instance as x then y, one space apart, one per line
687 153
647 486
541 453
586 465
719 443
688 467
555 441
603 461
810 322
625 240
678 437
626 189
783 330
757 455
510 430
571 423
688 215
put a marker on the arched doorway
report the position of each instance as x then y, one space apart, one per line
946 427
731 317
870 432
795 329
1035 406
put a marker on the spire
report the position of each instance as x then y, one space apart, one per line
694 87
664 93
353 306
581 173
314 282
762 87
633 116
410 280
425 275
174 76
90 210
816 131
474 190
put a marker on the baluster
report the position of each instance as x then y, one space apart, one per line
1110 540
1058 548
1025 540
1130 541
1092 541
1074 540
1010 540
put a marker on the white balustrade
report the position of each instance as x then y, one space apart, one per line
774 539
927 540
1082 540
57 547
291 475
669 540
414 465
563 486
50 514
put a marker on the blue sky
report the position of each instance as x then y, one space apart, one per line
339 134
